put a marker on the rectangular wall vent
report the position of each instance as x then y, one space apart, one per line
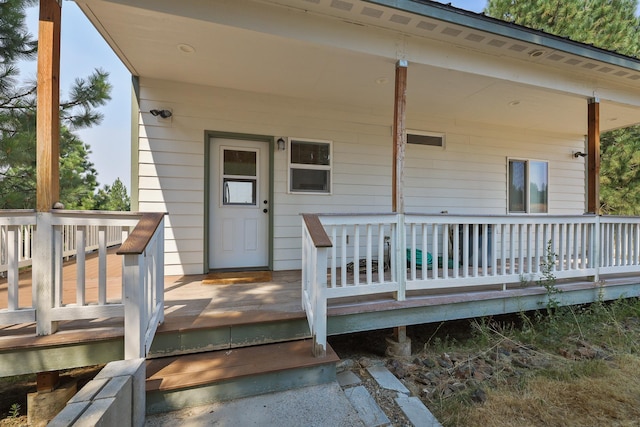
425 138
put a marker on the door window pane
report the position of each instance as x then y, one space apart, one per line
238 162
239 192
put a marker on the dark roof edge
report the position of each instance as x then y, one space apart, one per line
454 15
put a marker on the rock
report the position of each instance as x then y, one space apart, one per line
479 396
365 362
457 387
445 362
429 363
345 365
464 371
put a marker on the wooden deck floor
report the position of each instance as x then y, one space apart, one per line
191 305
188 304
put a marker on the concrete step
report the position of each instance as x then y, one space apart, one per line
225 331
178 382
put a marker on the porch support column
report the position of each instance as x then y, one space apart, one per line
48 110
593 157
399 136
399 344
47 160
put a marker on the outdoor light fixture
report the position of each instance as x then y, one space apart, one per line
281 144
165 114
579 154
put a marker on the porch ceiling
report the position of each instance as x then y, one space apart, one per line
151 43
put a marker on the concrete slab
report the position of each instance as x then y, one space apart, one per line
418 414
387 380
315 406
368 410
347 378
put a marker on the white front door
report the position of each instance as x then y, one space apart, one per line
239 198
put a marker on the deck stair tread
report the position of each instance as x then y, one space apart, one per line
192 370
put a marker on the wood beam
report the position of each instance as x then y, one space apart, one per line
399 136
593 157
48 109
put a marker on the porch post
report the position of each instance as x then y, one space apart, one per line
593 157
399 344
47 159
399 136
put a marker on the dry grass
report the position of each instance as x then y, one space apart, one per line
609 396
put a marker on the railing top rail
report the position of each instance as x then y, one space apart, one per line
88 217
141 234
316 231
17 216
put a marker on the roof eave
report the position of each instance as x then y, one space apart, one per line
480 22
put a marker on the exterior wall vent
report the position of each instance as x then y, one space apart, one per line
431 139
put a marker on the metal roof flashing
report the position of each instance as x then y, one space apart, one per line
480 22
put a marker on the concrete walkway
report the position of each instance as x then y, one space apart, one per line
343 403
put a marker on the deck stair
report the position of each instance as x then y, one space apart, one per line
177 382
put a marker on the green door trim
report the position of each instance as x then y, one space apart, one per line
208 134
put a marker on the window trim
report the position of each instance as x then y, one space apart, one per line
291 165
441 135
527 161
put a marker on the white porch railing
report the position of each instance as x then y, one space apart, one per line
369 254
69 241
52 237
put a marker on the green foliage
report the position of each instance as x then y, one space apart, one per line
113 198
611 25
620 172
78 177
548 280
14 411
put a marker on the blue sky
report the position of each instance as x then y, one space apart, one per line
82 51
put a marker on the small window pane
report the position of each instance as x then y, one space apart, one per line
237 162
517 177
239 192
309 153
538 187
310 180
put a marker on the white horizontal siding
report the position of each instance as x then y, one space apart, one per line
467 177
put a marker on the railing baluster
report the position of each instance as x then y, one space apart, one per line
80 265
369 253
445 252
434 255
456 251
334 254
343 253
13 273
356 255
102 265
381 253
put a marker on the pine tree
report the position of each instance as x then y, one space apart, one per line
608 24
113 198
78 177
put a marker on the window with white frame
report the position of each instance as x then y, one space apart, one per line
528 186
309 166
